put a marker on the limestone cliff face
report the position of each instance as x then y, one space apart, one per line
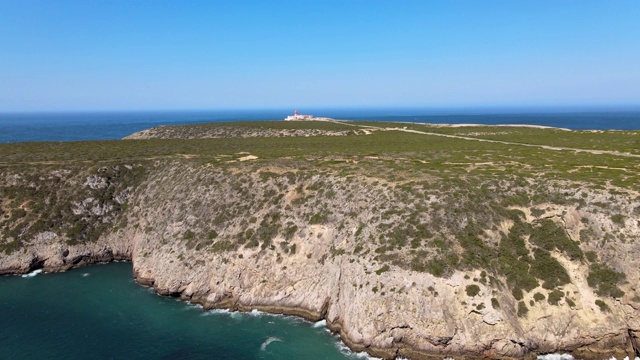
325 244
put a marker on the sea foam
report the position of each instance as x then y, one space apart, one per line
269 341
555 357
570 357
319 324
32 274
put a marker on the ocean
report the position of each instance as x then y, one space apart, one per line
22 127
99 312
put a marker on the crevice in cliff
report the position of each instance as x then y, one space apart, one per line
634 341
325 308
519 343
404 326
36 263
439 340
324 311
339 283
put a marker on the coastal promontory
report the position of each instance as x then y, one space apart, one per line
411 240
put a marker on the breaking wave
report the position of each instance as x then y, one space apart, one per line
319 324
570 357
269 341
32 274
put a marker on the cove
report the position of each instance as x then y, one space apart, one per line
100 312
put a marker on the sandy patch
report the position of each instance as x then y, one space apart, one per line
248 157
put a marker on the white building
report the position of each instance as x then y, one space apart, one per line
297 116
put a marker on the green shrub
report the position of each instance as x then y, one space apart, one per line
384 268
549 270
17 214
472 290
591 256
538 296
603 306
555 296
74 233
252 243
549 236
188 235
523 310
221 246
290 230
604 279
570 303
359 230
14 245
517 293
618 219
358 249
320 218
537 212
477 254
495 304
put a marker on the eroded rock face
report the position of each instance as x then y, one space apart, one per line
326 246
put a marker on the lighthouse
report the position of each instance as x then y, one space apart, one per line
297 116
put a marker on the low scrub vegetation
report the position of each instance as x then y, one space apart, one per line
424 203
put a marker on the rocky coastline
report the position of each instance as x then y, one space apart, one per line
620 344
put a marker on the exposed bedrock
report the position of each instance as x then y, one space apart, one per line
392 269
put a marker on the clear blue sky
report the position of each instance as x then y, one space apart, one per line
151 54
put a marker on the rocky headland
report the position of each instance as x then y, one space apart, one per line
407 245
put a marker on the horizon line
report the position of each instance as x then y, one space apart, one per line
460 109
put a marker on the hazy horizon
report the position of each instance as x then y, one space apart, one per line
75 55
393 110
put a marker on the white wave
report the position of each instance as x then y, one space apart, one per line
555 357
258 313
217 311
344 349
364 355
236 315
85 274
191 306
269 341
32 274
321 323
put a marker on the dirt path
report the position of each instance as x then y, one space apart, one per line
547 147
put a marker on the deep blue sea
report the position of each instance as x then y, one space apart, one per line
21 127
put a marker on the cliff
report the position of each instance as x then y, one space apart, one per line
407 244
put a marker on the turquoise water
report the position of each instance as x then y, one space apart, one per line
100 312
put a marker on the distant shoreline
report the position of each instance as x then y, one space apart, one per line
28 127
